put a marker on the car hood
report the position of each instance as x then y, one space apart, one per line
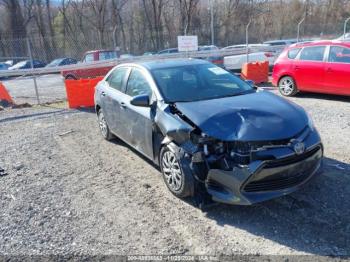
258 116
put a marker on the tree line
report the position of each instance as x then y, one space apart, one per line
71 27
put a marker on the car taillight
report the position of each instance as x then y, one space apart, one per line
268 54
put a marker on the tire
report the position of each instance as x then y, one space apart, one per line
177 177
104 129
287 86
70 77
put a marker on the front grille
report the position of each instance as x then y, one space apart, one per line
284 179
291 160
275 184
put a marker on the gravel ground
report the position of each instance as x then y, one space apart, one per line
67 191
50 88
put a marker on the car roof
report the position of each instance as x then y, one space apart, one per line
322 42
166 63
280 40
100 50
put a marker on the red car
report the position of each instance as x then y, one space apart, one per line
321 67
92 71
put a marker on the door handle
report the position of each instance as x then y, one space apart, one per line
296 67
329 70
122 105
103 93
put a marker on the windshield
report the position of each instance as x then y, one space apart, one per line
198 82
20 64
55 62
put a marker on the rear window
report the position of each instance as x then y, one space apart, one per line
314 53
292 53
339 54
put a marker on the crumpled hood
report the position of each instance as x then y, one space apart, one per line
258 116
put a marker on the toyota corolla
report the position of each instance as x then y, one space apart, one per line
208 129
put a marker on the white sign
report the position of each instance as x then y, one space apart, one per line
187 43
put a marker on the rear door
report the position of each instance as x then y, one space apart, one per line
138 120
111 97
308 68
337 71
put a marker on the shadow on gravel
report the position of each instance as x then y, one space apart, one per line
87 109
315 219
324 97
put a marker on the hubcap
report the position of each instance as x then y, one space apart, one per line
103 125
172 171
287 86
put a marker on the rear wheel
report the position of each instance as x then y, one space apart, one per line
104 129
287 86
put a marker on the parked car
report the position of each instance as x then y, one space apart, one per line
244 46
149 53
215 59
4 66
235 62
168 51
322 67
126 56
344 37
209 130
26 64
282 42
62 62
89 57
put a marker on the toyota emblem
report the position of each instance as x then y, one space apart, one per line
299 148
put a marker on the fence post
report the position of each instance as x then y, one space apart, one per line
247 39
345 25
33 74
211 21
299 24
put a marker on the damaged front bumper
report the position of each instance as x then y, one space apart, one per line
263 180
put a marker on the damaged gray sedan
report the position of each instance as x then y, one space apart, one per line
208 130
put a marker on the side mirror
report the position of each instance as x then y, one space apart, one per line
140 100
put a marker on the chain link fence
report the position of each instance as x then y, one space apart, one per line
46 85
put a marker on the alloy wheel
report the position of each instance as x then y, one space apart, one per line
103 125
287 86
172 171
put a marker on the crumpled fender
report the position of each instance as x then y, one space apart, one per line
172 126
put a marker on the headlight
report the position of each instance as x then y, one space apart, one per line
310 122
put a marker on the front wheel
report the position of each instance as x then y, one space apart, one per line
104 129
178 182
287 86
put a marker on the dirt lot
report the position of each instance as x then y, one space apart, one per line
67 191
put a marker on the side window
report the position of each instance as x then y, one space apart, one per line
137 84
107 55
292 53
115 79
314 53
339 54
89 57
